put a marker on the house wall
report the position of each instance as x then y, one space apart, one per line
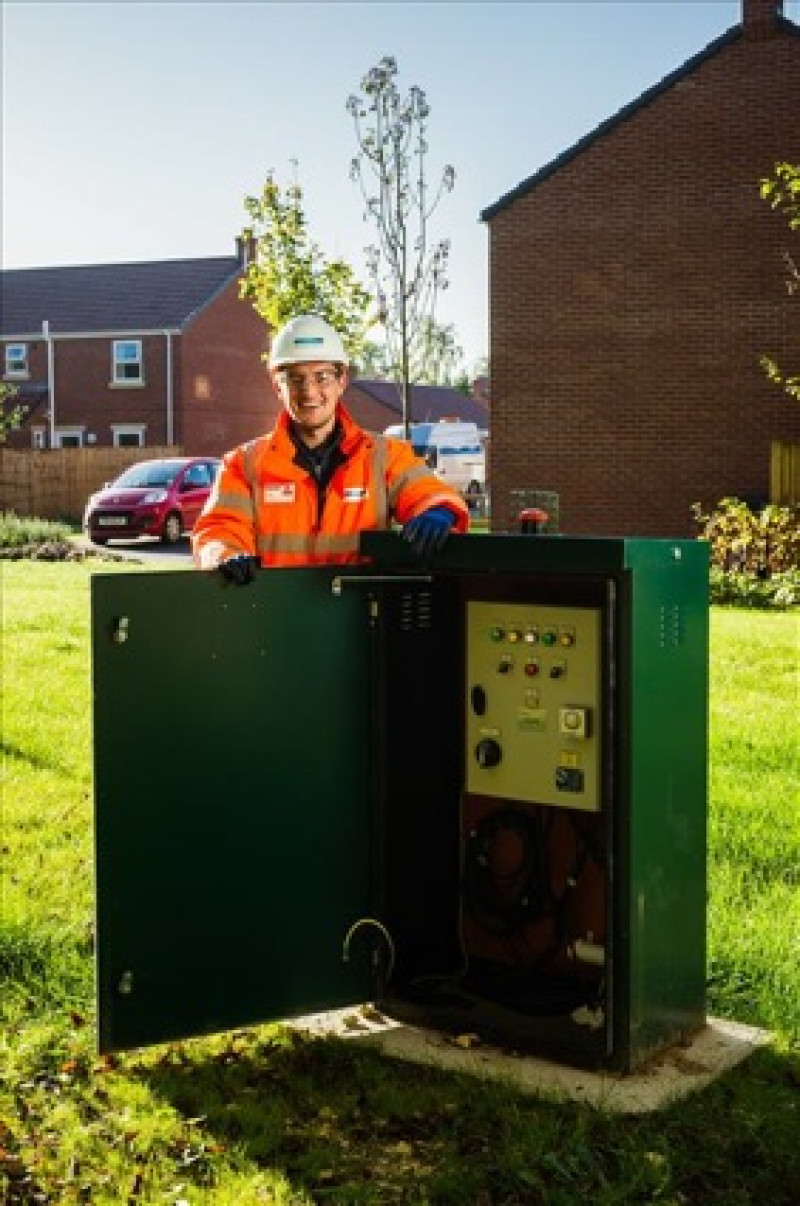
227 397
85 395
633 291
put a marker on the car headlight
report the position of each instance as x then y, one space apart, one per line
155 496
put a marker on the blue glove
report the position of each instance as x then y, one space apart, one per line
427 533
240 569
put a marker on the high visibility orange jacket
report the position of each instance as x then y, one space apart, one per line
265 504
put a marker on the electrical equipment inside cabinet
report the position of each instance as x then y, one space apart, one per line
533 834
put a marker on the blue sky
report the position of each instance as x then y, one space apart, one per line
133 131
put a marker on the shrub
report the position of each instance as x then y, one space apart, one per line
18 530
748 590
754 555
746 542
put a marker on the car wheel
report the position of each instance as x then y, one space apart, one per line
173 528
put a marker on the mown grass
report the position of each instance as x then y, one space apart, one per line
265 1115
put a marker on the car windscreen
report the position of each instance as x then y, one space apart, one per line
163 474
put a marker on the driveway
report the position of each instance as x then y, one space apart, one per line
146 548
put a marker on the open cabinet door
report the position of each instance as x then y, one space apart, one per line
231 760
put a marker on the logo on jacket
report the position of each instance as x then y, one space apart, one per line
355 493
283 493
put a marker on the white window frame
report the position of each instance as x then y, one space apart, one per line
120 362
128 429
20 369
69 433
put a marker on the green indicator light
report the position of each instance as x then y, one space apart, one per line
548 638
497 633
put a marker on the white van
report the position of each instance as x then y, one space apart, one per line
454 450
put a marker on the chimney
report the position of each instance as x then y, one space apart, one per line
245 248
760 17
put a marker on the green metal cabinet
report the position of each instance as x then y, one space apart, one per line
286 802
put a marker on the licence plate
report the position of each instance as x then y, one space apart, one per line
111 521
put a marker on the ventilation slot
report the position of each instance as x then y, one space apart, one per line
415 611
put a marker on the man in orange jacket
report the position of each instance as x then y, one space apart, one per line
301 494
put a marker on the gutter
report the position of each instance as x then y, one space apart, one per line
51 380
170 407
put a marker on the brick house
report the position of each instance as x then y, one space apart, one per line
160 353
136 354
376 404
635 281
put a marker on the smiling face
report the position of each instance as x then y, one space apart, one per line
310 393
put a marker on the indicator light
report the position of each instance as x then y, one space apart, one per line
567 637
497 633
549 637
532 636
532 669
514 635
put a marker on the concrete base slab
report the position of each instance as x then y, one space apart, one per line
674 1073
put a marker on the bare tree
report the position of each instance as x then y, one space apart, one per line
407 272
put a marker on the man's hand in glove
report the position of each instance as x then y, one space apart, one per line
241 569
427 533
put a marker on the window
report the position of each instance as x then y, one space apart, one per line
38 438
69 437
16 360
197 476
127 366
128 435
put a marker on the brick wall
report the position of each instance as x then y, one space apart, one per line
225 386
85 395
633 290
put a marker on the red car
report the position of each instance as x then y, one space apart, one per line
151 498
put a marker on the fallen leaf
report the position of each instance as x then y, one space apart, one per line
466 1041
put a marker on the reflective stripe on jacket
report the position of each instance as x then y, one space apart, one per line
265 504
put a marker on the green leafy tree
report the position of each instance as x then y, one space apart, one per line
439 356
374 360
290 275
11 413
436 358
782 191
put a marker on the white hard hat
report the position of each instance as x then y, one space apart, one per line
306 338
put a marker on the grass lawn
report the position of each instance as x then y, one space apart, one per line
264 1116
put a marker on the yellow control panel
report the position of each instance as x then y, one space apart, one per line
533 703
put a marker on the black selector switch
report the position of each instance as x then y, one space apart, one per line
488 752
478 696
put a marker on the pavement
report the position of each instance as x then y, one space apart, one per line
671 1074
143 550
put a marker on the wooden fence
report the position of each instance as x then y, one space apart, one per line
784 474
55 483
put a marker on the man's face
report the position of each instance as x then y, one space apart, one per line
310 393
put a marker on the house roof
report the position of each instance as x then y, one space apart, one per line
610 124
156 295
428 402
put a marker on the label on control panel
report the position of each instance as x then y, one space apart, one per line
534 670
